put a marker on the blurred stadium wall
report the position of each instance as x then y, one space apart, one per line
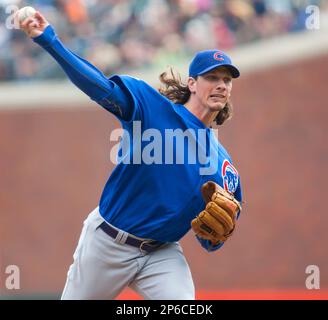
55 146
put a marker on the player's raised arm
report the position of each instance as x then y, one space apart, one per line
82 73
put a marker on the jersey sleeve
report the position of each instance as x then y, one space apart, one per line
87 77
206 244
146 103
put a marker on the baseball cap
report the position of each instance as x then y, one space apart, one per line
205 61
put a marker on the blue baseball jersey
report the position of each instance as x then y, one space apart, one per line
154 190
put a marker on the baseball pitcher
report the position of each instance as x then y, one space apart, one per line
146 207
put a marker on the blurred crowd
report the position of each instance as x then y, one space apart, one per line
118 35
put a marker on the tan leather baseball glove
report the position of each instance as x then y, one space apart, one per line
217 221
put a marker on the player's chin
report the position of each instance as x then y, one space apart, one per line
215 106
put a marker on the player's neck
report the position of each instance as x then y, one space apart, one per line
204 115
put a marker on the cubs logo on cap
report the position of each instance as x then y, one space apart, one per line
218 56
205 61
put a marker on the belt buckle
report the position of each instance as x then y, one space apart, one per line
148 243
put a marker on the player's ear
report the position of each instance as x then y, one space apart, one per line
192 84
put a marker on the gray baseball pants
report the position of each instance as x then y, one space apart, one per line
104 266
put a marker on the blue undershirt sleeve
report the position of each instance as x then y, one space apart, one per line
206 244
87 77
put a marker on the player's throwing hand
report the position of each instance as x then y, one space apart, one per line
33 26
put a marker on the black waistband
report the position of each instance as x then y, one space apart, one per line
144 245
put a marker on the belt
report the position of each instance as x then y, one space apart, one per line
143 245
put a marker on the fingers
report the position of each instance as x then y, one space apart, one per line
230 206
24 24
220 215
28 24
41 19
33 24
210 224
38 17
207 190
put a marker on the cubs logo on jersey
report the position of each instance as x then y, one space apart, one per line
230 176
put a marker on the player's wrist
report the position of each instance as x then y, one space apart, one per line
46 38
216 243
